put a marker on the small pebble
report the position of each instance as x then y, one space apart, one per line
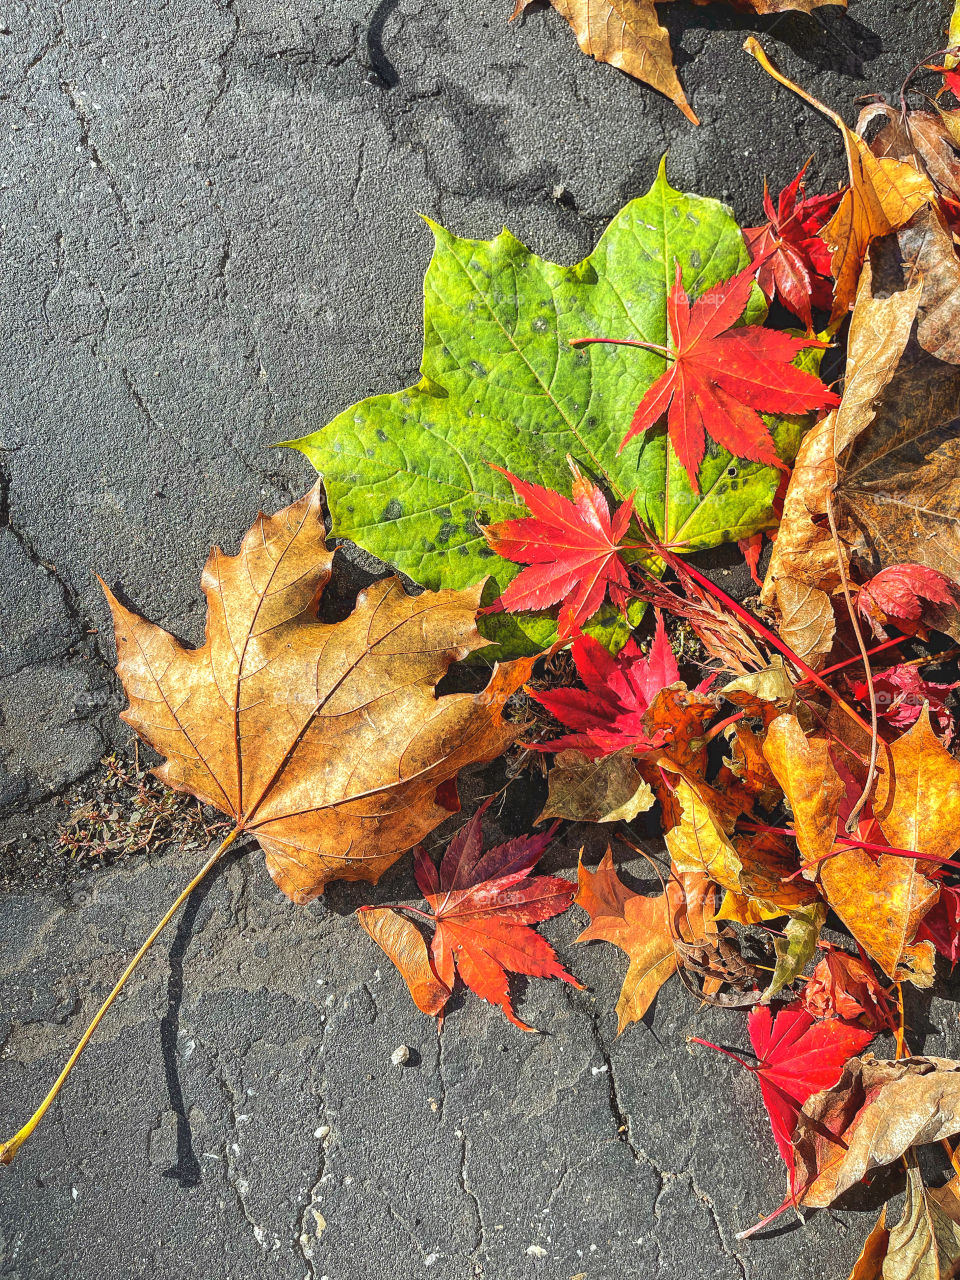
400 1055
536 1251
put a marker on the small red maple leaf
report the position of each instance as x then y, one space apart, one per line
797 1057
571 549
751 549
941 924
794 260
608 714
900 694
720 376
482 905
951 76
904 594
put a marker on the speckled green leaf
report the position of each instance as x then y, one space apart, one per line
796 948
406 474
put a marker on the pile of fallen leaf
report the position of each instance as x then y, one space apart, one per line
577 432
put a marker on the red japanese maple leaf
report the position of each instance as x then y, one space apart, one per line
482 905
751 549
608 714
941 924
909 596
797 1057
720 376
900 693
571 549
794 260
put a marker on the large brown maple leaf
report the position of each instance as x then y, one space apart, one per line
324 740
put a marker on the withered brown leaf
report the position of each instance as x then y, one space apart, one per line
326 741
628 35
879 1109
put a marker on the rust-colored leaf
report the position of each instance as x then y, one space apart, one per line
748 763
869 1266
325 741
769 866
638 925
483 903
845 986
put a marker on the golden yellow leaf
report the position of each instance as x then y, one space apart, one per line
811 784
743 910
698 841
882 903
917 797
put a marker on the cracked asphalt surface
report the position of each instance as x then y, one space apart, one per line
210 244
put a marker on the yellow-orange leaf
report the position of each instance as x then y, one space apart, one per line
742 910
638 925
326 741
403 943
917 800
882 903
698 841
811 784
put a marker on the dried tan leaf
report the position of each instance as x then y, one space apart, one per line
608 789
628 35
326 741
880 1109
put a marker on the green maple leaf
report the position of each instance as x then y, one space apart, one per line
406 474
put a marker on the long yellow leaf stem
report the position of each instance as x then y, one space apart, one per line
10 1148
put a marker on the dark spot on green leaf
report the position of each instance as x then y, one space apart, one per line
392 511
381 435
446 531
478 368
